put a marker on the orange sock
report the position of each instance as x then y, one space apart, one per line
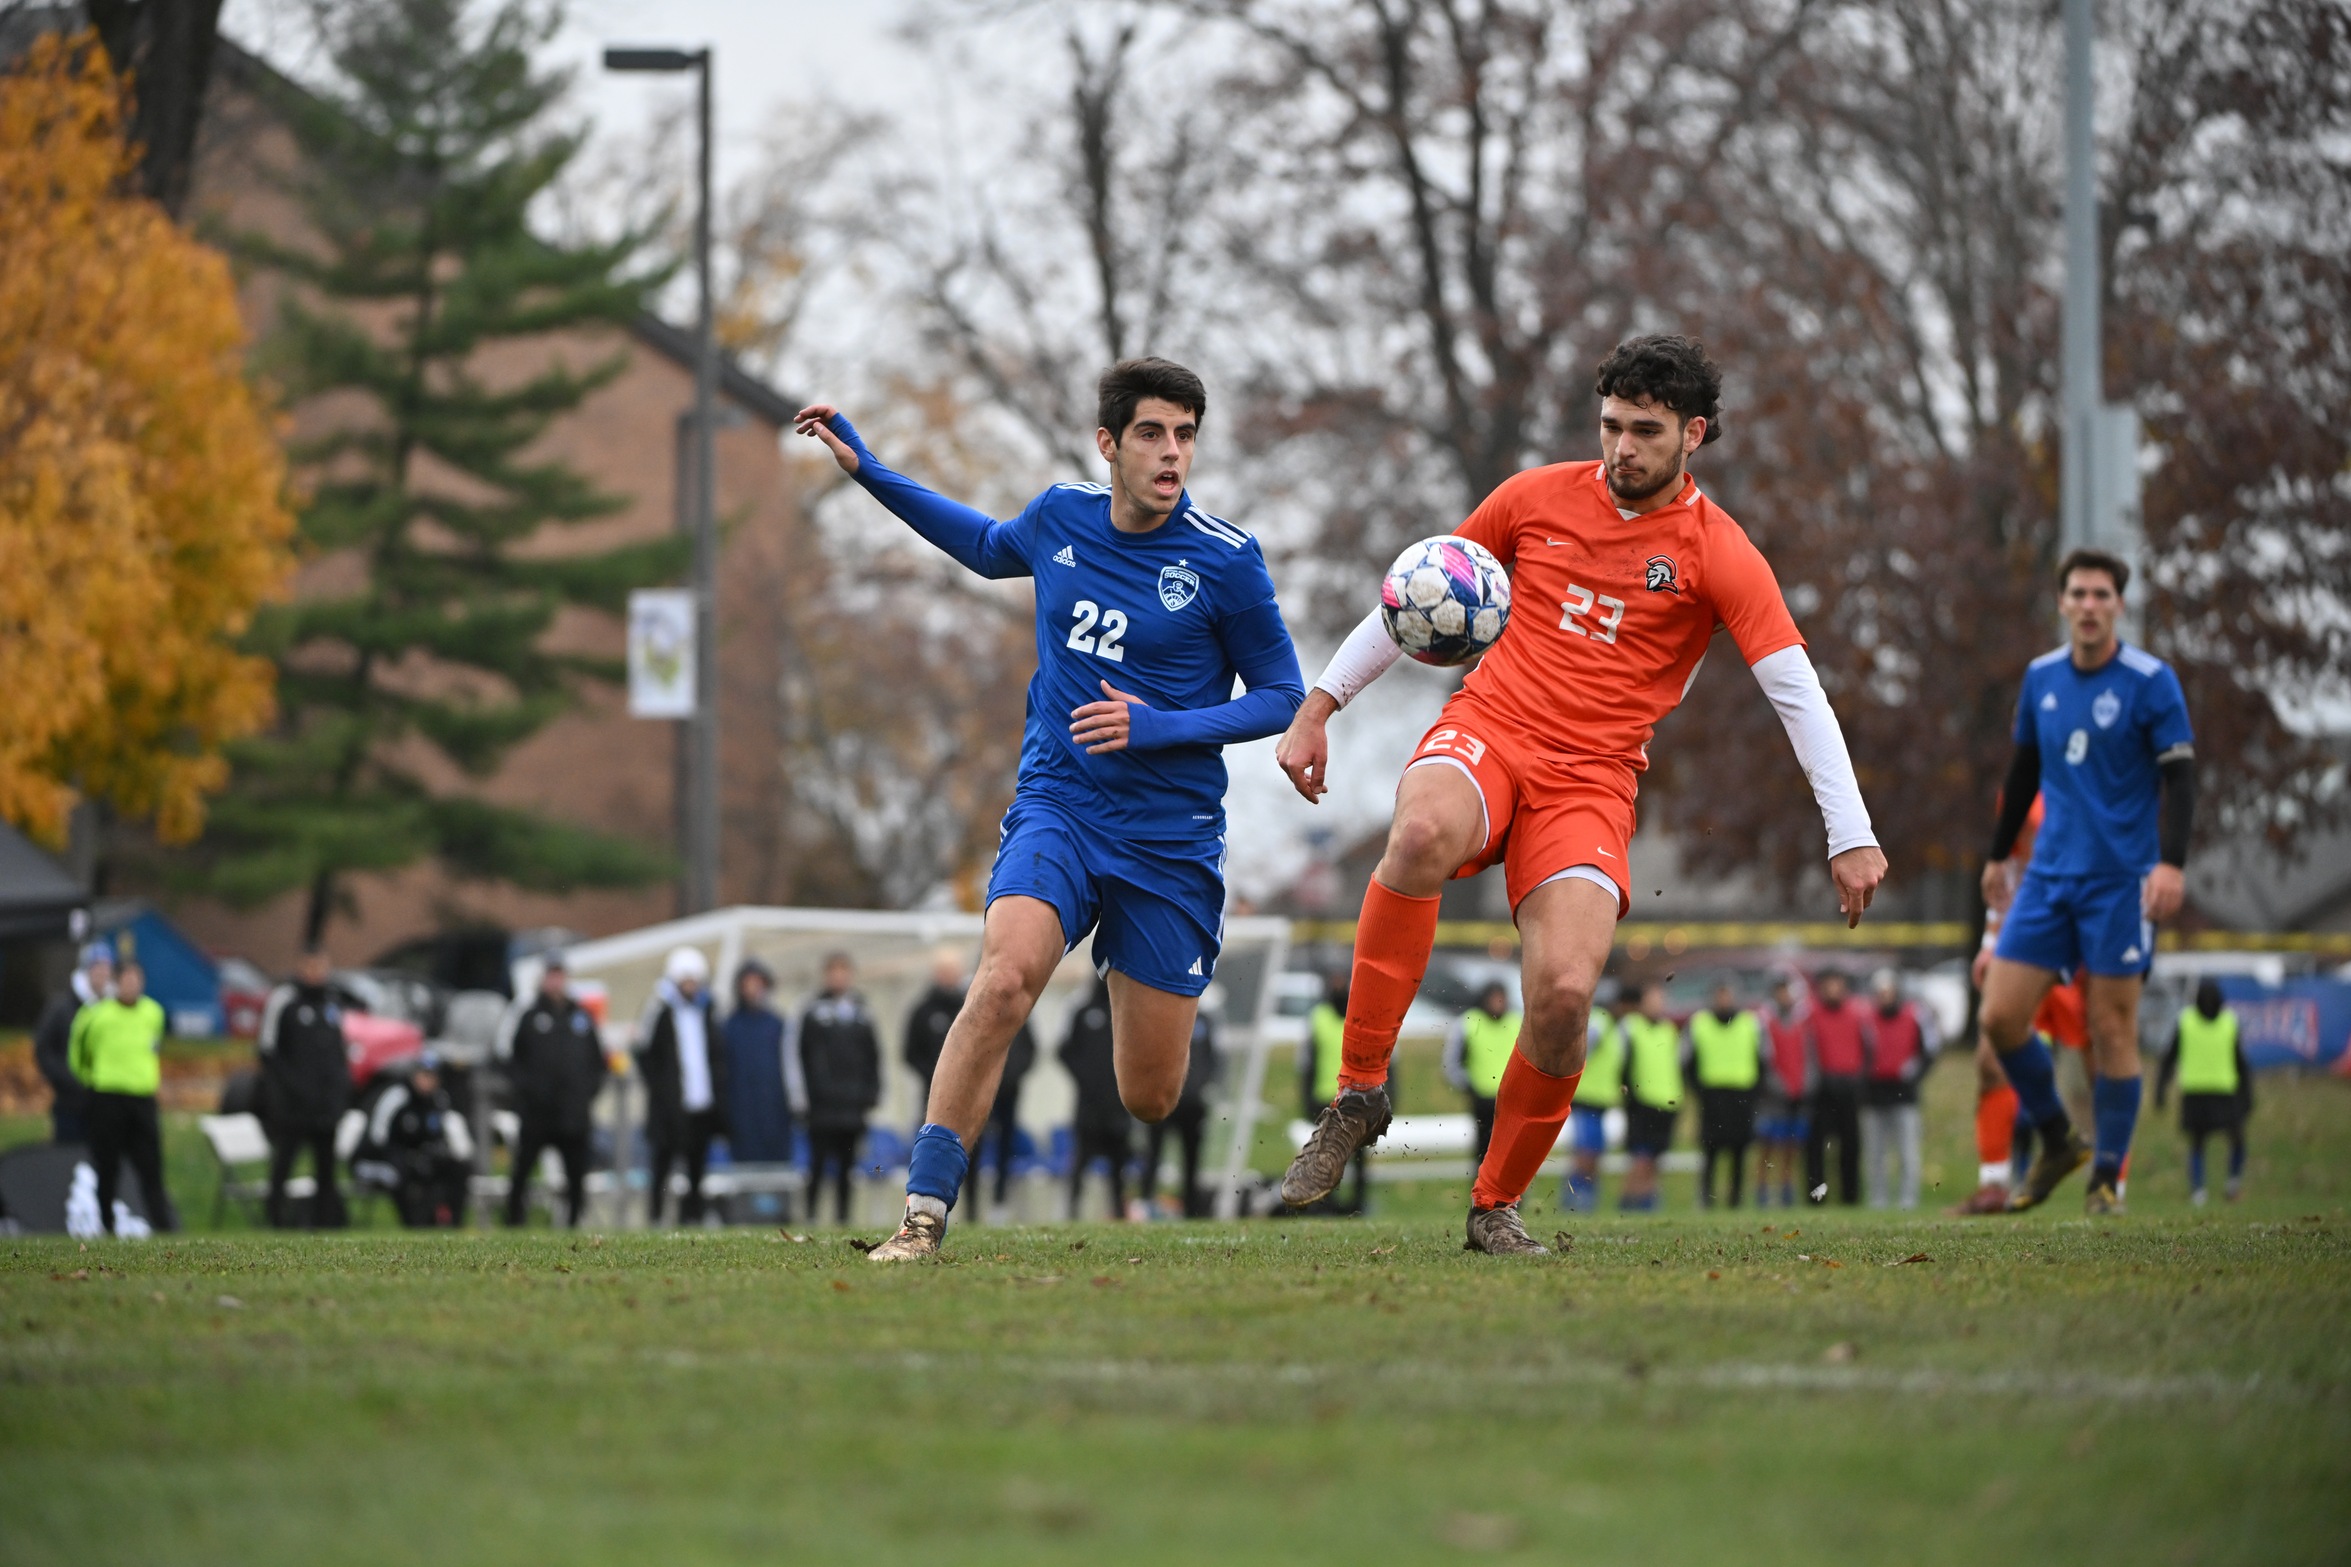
1529 1110
1393 939
1995 1124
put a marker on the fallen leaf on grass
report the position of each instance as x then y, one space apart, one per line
1077 1245
1382 1251
1564 1241
842 1285
797 1240
563 1267
1134 1259
862 1244
1103 1280
1710 1273
78 1276
1838 1354
1830 1262
1916 1256
228 1303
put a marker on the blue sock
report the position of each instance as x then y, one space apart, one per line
936 1167
2195 1169
2020 1147
2034 1077
2114 1104
2236 1161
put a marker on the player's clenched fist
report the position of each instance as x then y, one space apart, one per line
1305 749
1857 873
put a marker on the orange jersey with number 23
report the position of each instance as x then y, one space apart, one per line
1610 616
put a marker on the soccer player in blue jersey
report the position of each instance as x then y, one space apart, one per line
1148 609
2102 737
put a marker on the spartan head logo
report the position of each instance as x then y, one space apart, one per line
1661 574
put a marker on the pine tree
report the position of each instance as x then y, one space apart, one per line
419 167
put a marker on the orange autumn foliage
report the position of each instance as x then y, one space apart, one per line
142 493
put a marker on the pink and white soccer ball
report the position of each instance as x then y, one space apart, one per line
1445 600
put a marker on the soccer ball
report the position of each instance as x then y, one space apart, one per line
1445 600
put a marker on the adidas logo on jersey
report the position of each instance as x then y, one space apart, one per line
1065 556
1195 968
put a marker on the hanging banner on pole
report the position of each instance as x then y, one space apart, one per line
661 653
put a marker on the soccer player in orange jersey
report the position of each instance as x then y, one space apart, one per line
1621 573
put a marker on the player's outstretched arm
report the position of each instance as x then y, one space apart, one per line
973 537
1305 751
1856 864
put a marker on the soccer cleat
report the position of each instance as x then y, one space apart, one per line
1498 1232
918 1238
2235 1190
1991 1197
2051 1165
1347 1125
2103 1200
2199 1197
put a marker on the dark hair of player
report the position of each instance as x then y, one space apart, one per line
1666 368
2115 567
1129 381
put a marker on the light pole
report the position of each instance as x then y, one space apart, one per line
2099 478
700 783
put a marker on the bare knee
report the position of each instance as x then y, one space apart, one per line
1422 853
1149 1102
1558 1010
1000 997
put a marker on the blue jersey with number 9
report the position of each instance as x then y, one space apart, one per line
2101 734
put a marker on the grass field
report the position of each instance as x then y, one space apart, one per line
2173 1386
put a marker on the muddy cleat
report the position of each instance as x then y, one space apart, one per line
2051 1165
1498 1232
2102 1201
918 1239
1347 1125
1991 1197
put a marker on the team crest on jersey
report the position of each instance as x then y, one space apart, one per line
1178 586
1661 575
2106 709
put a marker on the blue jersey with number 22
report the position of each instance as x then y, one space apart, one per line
1172 617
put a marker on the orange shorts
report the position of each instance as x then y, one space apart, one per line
2063 1016
1545 814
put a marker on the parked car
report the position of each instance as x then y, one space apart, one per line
244 993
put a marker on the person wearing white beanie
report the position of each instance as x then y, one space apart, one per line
683 1060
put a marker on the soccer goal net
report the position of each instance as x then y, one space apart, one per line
895 954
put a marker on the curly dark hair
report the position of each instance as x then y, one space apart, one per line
1129 381
1667 368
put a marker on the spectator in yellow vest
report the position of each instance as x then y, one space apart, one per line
1726 1057
1318 1079
116 1049
2216 1086
1653 1094
1477 1048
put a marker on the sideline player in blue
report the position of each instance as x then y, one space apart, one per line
2102 736
1117 822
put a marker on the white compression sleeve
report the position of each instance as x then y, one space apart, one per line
1361 659
1793 685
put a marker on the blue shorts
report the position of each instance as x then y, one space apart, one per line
1587 1130
2064 923
1783 1123
1159 906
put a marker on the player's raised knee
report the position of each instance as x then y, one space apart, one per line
1149 1102
1423 850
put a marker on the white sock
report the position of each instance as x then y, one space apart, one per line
917 1203
1993 1173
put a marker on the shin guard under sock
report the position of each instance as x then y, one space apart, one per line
1393 939
2033 1075
937 1165
2114 1105
1529 1109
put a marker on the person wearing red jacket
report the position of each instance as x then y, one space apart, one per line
1780 1120
1841 1041
1903 1040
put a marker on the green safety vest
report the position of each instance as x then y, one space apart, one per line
1729 1055
118 1049
1603 1084
1655 1059
2208 1052
1326 1025
1486 1043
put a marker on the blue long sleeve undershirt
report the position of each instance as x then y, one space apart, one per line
1255 638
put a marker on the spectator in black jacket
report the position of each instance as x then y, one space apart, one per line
927 1025
1103 1128
684 1064
418 1145
69 1098
1188 1121
835 1062
554 1065
759 1110
305 1088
